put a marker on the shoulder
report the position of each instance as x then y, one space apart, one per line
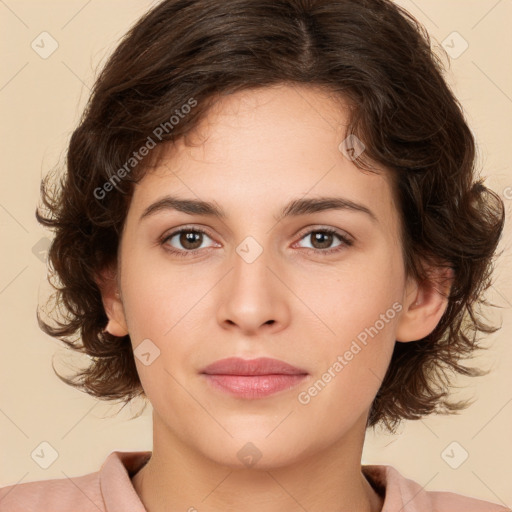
57 495
401 493
453 502
110 488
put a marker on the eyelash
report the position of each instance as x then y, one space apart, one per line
346 242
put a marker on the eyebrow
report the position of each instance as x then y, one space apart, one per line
294 208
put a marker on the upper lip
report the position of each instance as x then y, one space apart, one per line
259 366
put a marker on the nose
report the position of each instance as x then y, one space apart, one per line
253 297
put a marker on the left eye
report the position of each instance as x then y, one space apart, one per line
324 237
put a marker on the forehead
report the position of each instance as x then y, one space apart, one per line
257 149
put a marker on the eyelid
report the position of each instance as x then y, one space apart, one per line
346 239
175 231
319 227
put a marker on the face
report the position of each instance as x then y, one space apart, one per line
322 289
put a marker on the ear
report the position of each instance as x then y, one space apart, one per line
424 304
111 297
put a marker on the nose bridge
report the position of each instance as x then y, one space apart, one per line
252 295
254 251
251 260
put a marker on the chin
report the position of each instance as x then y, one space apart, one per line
257 451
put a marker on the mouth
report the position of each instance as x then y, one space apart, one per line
255 378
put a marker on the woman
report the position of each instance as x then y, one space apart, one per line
270 229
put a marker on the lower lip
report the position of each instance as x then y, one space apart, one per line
254 386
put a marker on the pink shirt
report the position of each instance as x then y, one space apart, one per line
110 490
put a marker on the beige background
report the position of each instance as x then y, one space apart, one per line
40 102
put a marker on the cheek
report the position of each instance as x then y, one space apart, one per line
359 307
162 305
345 300
355 356
157 294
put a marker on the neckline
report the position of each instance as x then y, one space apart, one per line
372 476
133 471
375 478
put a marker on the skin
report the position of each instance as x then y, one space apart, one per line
256 151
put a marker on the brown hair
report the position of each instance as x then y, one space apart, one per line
190 52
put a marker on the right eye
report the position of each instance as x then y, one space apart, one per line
189 238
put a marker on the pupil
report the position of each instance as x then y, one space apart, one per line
190 237
326 236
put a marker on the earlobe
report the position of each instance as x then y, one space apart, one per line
424 305
116 320
112 302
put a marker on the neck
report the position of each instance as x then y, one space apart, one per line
178 478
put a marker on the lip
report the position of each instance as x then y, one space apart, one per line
259 366
253 378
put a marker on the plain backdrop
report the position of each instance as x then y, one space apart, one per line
43 89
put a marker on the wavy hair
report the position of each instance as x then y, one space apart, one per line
191 52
